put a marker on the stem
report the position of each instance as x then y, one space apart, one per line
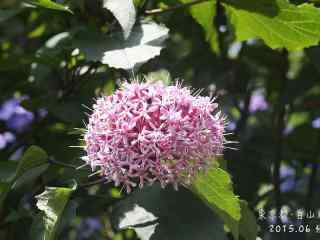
245 112
311 186
89 184
172 8
76 80
55 162
279 125
217 23
143 7
313 179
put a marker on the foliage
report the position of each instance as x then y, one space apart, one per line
261 58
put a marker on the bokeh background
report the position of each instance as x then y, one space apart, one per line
271 98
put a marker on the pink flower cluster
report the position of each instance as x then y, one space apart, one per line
148 132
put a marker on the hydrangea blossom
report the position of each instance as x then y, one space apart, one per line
148 132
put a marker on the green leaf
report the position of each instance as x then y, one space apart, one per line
7 170
215 188
30 175
52 203
9 3
145 42
204 13
248 225
69 213
50 5
278 23
157 214
124 11
160 75
8 13
4 189
31 165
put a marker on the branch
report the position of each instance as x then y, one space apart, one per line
217 24
89 184
313 179
52 161
311 186
143 7
172 8
279 125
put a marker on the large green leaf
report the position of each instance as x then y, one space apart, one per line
215 188
49 4
7 170
69 213
7 14
145 42
159 214
4 189
52 203
32 164
248 226
8 4
124 11
204 13
277 22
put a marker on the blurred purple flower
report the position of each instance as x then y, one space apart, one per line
17 154
316 123
3 142
231 126
289 129
257 102
287 185
287 175
42 113
16 117
88 227
9 137
20 120
5 139
7 109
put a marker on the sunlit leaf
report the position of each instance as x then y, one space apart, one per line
248 226
124 11
215 188
52 203
144 43
158 214
49 4
278 23
204 13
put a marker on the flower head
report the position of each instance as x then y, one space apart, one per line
148 132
